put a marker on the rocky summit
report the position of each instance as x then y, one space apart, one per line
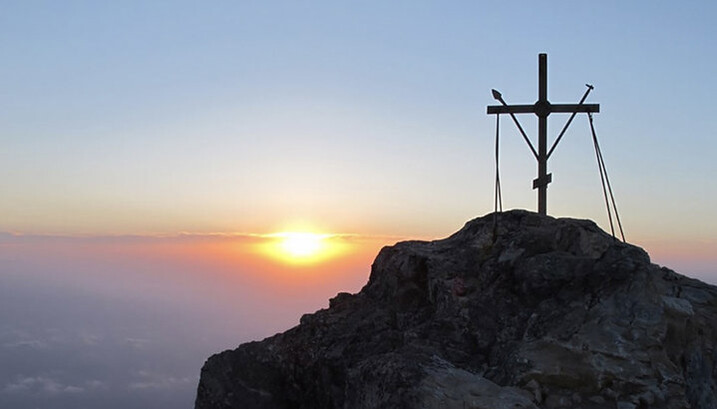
534 312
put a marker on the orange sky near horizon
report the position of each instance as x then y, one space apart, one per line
262 259
255 261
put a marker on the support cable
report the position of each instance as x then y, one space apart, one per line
567 124
602 183
498 198
612 196
605 182
525 137
498 97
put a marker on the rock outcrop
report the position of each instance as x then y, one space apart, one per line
545 313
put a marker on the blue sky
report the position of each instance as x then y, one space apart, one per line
181 116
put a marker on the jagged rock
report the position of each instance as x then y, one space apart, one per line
546 313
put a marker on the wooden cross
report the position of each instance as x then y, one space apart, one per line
542 108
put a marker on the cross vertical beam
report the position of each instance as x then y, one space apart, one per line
542 133
542 109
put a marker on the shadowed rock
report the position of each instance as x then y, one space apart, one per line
552 313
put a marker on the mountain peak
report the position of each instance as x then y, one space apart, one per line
518 311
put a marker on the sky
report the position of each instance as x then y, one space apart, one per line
148 149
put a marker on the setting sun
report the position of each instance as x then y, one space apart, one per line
302 247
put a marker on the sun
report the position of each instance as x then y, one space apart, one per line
302 248
301 245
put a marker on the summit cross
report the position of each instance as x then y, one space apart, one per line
542 108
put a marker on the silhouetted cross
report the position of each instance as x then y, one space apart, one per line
542 108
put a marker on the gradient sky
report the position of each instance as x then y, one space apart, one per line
133 133
163 117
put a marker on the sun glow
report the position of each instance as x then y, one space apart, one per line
302 247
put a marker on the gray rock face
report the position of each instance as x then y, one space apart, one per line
553 313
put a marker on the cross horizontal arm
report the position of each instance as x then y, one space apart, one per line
511 109
531 109
575 108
